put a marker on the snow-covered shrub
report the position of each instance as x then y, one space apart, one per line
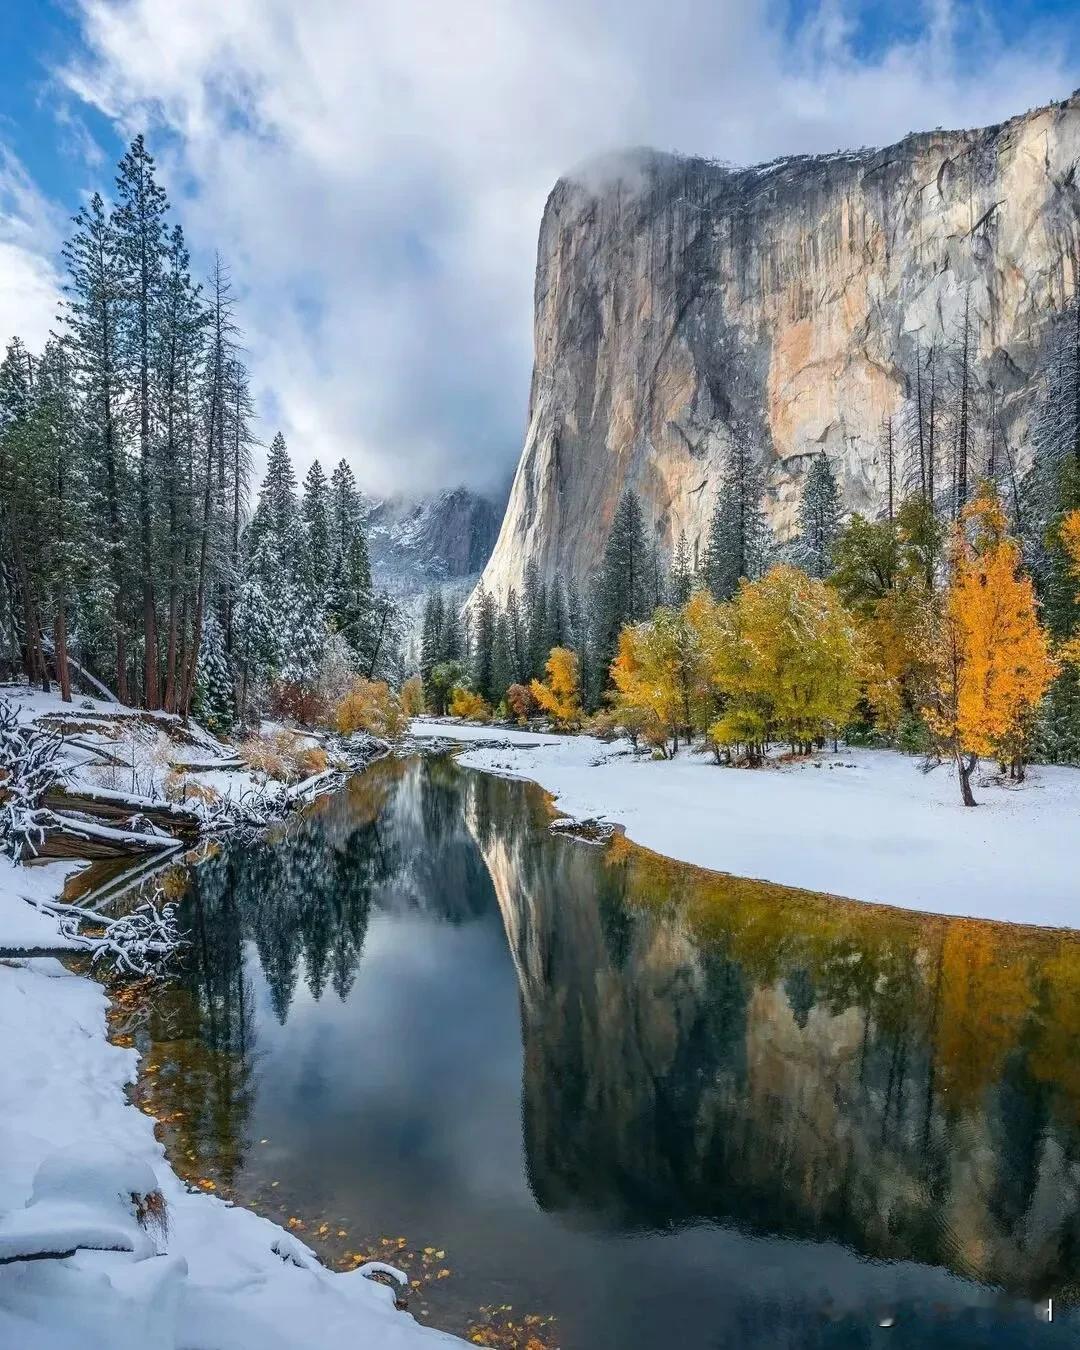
28 768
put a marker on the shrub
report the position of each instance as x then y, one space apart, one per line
372 706
412 696
465 703
311 760
520 702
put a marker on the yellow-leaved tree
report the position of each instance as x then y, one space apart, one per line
661 675
470 705
786 660
989 655
560 693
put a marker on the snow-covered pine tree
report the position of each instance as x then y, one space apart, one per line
96 296
431 633
819 517
315 508
739 539
346 508
141 243
351 602
279 488
681 581
213 701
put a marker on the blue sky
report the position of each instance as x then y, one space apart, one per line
374 173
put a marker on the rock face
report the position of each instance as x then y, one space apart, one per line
679 302
442 540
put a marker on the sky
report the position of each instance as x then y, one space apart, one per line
374 171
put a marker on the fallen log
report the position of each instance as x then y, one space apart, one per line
118 808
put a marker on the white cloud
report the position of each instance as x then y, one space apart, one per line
375 172
29 238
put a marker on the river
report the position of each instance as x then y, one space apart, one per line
662 1106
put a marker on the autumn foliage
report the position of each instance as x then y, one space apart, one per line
560 693
465 703
372 706
989 655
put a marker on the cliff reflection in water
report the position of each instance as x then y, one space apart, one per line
704 1047
696 1047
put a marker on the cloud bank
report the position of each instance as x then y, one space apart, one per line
375 172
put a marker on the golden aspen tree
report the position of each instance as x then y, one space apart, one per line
470 705
560 693
990 655
633 695
788 663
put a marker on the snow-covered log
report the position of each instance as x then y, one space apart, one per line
136 944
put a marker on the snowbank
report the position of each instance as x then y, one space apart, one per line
78 1161
23 928
74 1151
864 824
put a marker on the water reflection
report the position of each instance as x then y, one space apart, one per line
703 1060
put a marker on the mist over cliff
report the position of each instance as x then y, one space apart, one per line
680 302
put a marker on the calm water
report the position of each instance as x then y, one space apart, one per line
666 1107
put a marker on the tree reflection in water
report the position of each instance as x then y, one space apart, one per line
695 1047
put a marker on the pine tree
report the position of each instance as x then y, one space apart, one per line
534 617
682 574
482 662
738 544
94 309
431 635
819 517
622 592
178 332
351 604
346 508
139 227
315 509
213 698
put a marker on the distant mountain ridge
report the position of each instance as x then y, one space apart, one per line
418 543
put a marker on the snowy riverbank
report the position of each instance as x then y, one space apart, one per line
224 1278
865 824
78 1159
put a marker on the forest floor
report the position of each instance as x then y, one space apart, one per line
864 824
76 1152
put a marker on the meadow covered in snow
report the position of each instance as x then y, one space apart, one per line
864 824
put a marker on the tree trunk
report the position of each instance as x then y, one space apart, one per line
63 671
965 767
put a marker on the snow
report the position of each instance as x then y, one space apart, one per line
75 1151
864 824
78 1158
23 928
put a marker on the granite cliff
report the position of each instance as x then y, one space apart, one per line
680 301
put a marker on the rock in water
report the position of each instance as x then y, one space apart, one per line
677 299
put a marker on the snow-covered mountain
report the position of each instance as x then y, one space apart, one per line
421 542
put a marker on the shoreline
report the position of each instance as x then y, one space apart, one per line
862 826
218 1273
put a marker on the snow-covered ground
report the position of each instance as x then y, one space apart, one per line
73 1151
865 824
75 1154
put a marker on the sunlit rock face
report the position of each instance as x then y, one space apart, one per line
677 299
